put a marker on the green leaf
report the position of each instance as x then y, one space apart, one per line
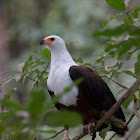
86 64
36 104
137 94
111 42
64 118
104 131
125 46
127 20
26 63
76 82
48 131
2 128
6 115
130 54
127 102
112 53
138 57
124 49
137 67
135 13
113 32
120 65
78 60
129 73
134 31
107 49
102 113
46 53
118 4
114 73
13 105
113 17
5 99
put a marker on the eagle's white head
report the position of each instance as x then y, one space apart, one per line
53 42
59 52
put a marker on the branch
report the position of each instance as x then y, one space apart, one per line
113 136
135 109
31 79
106 67
42 74
113 109
130 119
55 135
115 81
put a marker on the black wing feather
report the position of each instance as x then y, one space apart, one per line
95 89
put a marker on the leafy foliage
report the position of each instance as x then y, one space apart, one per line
64 118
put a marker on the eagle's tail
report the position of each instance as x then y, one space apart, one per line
120 131
118 126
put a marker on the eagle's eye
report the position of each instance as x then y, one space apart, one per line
52 39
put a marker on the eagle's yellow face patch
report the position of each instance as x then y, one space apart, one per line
49 41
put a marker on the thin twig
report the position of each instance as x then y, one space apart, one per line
130 119
42 73
115 81
31 79
114 65
129 18
113 136
55 135
106 67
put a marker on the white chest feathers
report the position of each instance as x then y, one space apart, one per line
58 80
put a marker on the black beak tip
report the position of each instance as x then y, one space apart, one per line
41 42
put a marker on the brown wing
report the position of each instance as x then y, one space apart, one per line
95 90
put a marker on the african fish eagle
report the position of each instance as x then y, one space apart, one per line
89 98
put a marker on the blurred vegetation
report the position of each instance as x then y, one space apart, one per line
98 34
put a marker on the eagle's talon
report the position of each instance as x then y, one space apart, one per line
89 127
84 130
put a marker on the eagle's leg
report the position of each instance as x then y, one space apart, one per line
88 127
66 136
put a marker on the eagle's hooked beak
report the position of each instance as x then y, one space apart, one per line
42 42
